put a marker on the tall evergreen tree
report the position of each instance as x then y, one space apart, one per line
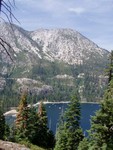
84 144
33 118
32 125
101 132
43 136
22 120
110 68
61 135
70 132
2 124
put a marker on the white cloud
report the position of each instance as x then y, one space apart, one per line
78 10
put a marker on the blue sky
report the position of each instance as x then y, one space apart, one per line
92 18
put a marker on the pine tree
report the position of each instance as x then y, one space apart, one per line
31 125
110 69
84 144
2 125
22 120
7 132
61 136
43 136
70 130
101 132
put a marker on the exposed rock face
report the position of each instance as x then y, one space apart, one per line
50 60
66 45
18 39
5 145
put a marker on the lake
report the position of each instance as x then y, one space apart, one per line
55 109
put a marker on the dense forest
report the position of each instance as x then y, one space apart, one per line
62 82
31 126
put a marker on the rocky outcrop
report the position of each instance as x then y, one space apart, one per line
5 145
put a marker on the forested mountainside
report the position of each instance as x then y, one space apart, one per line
51 64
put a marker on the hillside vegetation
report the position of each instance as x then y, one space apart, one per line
51 64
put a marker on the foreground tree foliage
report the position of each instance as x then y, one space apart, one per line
69 133
61 136
101 132
2 124
32 125
110 68
22 120
43 136
84 144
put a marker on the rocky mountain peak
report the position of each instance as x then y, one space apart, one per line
50 62
66 45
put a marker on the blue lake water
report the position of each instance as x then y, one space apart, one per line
54 111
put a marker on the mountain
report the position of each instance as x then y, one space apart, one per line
51 63
66 45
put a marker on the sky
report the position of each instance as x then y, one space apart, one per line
92 18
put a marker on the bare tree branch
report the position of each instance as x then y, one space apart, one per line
6 8
4 44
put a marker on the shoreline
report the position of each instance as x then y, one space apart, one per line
65 102
14 111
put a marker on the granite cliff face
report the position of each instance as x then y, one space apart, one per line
66 45
48 61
